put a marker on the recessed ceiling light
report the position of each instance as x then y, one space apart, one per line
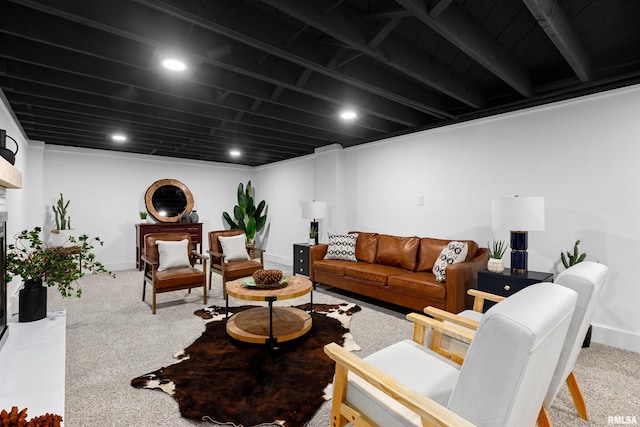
235 153
118 137
348 115
174 65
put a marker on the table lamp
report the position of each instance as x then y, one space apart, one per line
518 215
314 210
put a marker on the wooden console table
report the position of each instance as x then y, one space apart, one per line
195 229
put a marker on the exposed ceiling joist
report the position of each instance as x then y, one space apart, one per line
554 22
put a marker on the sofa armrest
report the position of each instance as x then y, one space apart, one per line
462 277
316 252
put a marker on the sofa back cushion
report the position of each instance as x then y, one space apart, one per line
398 251
430 251
366 246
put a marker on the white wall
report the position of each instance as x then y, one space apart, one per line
582 155
107 190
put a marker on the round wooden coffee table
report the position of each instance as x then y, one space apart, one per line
270 324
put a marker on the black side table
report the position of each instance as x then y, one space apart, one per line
508 282
301 259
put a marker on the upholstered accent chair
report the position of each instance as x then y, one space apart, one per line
169 265
586 279
502 381
234 262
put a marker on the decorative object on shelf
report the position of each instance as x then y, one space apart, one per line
248 217
8 155
518 215
314 210
194 216
35 262
61 234
167 199
185 218
572 258
143 217
497 249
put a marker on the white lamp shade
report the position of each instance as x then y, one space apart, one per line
314 210
518 213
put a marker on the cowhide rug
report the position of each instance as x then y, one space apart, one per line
221 380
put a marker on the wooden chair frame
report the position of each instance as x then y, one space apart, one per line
150 270
430 412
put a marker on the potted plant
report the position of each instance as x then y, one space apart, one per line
248 217
143 217
37 264
497 248
60 234
572 258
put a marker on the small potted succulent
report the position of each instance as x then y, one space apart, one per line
143 217
38 264
497 248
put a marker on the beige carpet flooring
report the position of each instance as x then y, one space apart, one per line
112 337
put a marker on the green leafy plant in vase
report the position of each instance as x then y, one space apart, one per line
246 216
143 217
497 248
37 264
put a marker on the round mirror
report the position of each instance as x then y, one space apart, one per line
167 199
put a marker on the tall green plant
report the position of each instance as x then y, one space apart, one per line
247 217
63 221
572 258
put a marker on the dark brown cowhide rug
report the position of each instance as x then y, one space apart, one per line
221 380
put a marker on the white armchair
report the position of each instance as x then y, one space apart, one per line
586 279
502 382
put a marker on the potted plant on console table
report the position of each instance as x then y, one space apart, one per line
37 264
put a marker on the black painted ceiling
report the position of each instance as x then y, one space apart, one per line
270 77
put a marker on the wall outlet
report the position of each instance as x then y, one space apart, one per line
420 199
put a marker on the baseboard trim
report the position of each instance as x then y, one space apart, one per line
616 338
277 259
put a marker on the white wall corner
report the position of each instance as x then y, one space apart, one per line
328 148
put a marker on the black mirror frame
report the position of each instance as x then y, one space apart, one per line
148 198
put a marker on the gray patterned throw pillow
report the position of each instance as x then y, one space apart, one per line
342 246
453 253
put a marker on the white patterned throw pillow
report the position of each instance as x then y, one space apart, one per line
453 253
342 246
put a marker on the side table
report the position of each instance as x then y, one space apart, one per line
301 259
508 282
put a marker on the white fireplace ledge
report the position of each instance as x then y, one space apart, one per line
32 365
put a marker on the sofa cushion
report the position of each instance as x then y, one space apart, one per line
430 251
454 253
397 251
372 272
366 246
333 266
418 282
342 246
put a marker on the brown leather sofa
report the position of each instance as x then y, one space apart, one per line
398 270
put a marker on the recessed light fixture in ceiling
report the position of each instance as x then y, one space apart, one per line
235 153
173 64
118 137
348 115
